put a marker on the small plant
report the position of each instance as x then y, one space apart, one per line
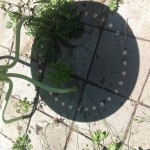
55 20
113 4
22 143
98 138
59 73
22 106
140 119
114 146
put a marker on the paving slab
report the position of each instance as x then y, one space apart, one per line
120 64
15 129
137 14
79 142
45 133
138 136
105 111
6 35
80 57
26 43
98 104
60 105
5 144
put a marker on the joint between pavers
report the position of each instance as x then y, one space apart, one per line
128 35
9 49
103 88
69 135
147 77
7 137
129 127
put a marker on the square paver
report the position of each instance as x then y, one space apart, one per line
6 35
79 142
60 105
137 14
46 134
121 66
26 43
138 135
80 57
100 109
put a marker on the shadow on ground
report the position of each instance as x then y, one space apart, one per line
105 63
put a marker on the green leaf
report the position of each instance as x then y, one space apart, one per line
103 135
112 146
115 146
22 143
9 25
113 5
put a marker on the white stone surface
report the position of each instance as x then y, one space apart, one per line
46 133
6 35
116 123
139 132
145 98
79 142
5 144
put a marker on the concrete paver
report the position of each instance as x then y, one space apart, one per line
113 123
26 43
6 35
80 57
79 142
98 104
45 133
60 105
139 132
120 66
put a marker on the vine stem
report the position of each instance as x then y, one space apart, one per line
36 83
7 100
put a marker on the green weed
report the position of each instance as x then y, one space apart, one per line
22 106
140 119
59 73
113 4
98 138
22 143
